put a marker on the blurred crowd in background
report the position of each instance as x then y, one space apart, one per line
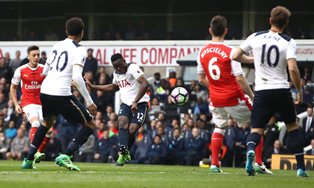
141 32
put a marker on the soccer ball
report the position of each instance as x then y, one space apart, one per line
179 96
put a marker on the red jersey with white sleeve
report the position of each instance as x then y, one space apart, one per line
214 60
31 80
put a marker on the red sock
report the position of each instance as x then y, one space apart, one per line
32 133
259 152
44 144
216 144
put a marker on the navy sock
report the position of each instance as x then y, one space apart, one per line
300 161
38 138
123 137
252 141
131 140
295 142
80 138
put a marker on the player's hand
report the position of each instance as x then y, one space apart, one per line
72 84
252 98
92 109
134 107
18 109
299 98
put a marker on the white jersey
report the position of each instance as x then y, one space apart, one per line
61 59
128 84
271 52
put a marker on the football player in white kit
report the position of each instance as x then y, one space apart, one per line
273 51
130 80
65 64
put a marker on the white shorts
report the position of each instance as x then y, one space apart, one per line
241 113
33 111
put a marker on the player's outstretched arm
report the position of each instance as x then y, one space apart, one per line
239 55
107 87
13 89
245 86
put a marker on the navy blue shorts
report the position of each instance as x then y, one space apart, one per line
68 106
269 102
138 117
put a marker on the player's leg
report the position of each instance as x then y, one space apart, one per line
261 113
43 145
136 122
38 138
296 143
35 117
73 110
220 118
133 128
124 117
241 113
259 166
40 133
40 154
260 146
123 135
259 151
295 135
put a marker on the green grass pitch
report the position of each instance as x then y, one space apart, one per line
93 175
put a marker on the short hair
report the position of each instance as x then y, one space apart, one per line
157 74
280 16
31 48
157 135
74 26
116 56
218 25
